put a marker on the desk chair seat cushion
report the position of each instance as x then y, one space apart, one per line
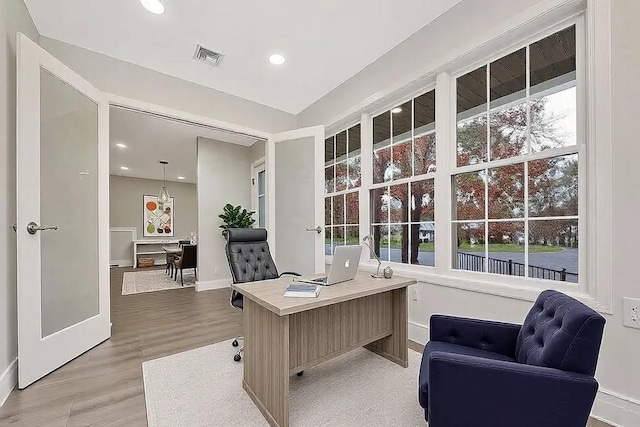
438 346
249 255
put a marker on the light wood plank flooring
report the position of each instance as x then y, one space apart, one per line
103 387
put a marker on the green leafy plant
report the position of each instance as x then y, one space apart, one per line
236 217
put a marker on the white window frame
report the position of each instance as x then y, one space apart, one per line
334 134
257 167
406 180
594 121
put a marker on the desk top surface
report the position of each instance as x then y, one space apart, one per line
270 293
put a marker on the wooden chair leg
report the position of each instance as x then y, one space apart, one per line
181 281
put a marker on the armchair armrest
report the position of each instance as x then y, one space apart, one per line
291 273
466 390
497 337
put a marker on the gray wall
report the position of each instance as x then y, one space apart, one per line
430 48
125 204
257 151
133 81
14 17
224 172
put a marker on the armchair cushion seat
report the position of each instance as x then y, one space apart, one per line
438 346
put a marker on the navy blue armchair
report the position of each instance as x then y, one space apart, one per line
484 373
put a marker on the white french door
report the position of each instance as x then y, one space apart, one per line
62 214
295 210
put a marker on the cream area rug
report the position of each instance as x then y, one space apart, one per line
137 282
203 387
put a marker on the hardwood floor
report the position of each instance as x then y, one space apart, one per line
103 387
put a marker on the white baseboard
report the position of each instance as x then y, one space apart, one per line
8 381
122 262
616 409
418 332
609 407
213 284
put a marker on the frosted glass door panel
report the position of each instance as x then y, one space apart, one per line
69 199
295 205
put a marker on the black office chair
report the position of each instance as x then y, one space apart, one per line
249 261
188 259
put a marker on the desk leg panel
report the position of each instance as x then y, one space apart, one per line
266 361
395 346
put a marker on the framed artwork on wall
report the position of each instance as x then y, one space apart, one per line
157 217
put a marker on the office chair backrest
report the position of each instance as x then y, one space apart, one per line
189 256
249 256
560 332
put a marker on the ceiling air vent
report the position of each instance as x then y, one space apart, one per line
208 56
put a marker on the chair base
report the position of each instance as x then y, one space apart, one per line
238 356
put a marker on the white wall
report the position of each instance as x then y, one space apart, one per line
618 368
14 17
414 57
133 81
125 195
224 176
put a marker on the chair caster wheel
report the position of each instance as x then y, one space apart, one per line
300 373
237 357
234 343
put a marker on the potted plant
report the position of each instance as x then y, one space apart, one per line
235 217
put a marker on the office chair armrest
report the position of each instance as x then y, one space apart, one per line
290 273
487 335
465 389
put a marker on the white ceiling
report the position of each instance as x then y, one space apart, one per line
325 42
150 139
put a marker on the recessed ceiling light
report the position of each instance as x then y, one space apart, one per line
181 177
277 59
124 168
121 145
153 6
397 110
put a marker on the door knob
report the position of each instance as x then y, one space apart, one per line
33 227
318 229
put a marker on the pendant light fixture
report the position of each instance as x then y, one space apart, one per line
163 195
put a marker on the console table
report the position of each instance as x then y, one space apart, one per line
152 248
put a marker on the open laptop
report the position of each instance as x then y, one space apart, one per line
344 267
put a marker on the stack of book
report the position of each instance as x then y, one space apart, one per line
298 290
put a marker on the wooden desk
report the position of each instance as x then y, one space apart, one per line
284 335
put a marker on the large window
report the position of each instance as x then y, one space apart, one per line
342 182
402 194
515 181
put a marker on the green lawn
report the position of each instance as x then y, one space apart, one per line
493 247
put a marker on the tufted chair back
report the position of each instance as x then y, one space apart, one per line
560 332
248 255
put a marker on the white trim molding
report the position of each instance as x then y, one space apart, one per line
210 285
8 381
594 69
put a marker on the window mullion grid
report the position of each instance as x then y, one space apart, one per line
348 158
344 215
486 173
413 136
409 196
526 163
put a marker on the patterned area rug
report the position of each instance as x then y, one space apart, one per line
203 387
137 282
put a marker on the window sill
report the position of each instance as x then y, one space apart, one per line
528 291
